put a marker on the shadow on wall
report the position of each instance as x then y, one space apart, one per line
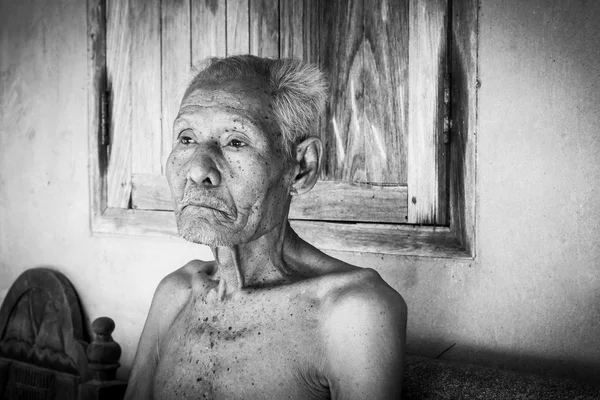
568 368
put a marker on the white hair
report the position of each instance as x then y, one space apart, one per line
299 90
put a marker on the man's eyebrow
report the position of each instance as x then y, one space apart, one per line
179 121
235 116
246 120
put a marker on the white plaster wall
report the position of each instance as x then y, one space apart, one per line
531 299
44 213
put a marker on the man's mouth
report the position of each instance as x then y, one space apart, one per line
207 202
202 205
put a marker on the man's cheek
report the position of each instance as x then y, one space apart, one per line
173 166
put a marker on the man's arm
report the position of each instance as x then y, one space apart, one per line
170 296
365 339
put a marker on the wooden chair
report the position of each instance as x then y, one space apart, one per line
43 354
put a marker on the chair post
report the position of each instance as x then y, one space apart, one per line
103 356
104 353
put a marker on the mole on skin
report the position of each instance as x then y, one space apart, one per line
272 317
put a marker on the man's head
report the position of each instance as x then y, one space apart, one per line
297 90
244 139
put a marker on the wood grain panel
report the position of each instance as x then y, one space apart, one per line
238 27
264 28
340 201
385 77
176 64
96 24
371 238
118 64
291 28
330 201
464 116
341 56
209 28
146 112
312 30
299 29
118 221
151 192
380 238
427 69
364 49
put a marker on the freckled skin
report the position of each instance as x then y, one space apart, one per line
271 317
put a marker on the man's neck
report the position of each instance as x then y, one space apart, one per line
259 263
276 258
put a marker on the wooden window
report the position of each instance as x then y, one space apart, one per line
399 131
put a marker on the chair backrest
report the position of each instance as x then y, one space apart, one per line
42 347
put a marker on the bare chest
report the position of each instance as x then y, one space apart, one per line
253 349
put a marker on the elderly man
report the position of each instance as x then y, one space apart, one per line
271 317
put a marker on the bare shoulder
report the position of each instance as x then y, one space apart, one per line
360 287
175 289
193 275
360 297
363 313
171 295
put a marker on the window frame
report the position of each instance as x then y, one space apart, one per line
454 241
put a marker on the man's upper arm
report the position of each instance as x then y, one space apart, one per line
166 304
365 336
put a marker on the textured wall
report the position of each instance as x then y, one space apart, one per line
44 213
531 299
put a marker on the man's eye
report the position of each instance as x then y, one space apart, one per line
186 140
236 143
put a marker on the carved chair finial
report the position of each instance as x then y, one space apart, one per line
103 353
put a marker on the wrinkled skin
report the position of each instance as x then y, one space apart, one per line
271 317
222 156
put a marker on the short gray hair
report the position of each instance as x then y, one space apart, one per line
299 90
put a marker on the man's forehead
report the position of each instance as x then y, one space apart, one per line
203 116
221 104
245 101
238 93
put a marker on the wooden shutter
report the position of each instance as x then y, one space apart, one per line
429 94
383 133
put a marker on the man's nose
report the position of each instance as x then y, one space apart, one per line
202 170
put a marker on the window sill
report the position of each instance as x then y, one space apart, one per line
393 239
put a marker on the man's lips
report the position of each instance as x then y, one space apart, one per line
201 205
206 202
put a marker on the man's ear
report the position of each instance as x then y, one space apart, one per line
308 158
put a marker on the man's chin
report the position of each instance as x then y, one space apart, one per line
198 233
209 240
